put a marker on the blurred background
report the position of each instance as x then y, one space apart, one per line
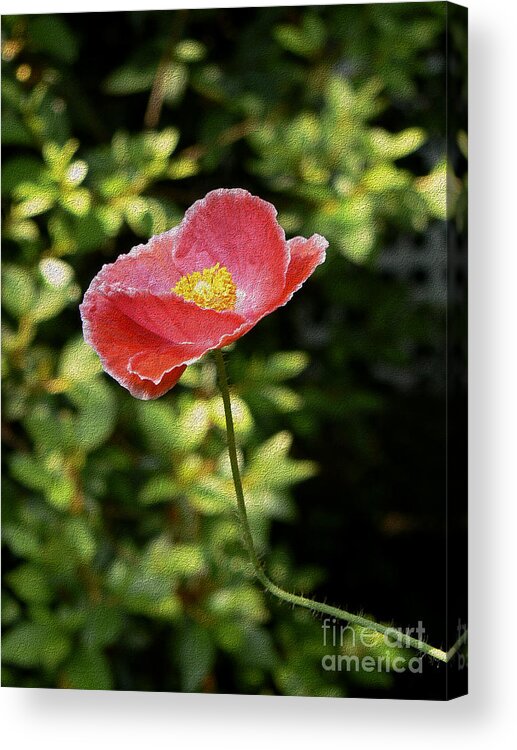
122 562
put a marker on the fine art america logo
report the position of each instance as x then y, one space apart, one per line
341 636
387 658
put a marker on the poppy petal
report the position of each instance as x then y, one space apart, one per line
240 231
306 255
116 339
146 389
148 267
172 318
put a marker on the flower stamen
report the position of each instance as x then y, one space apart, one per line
211 288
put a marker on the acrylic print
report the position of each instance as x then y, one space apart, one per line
234 351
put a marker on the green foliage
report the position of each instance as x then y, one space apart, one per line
124 564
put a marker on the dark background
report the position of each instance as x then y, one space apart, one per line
122 563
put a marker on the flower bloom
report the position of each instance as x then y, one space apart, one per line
197 287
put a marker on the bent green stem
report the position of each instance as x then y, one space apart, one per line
391 634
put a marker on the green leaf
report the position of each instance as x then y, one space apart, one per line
238 601
242 419
283 399
395 145
166 559
48 119
88 669
212 495
270 468
29 583
58 157
175 79
384 177
31 644
30 471
78 361
71 233
10 609
128 79
178 427
57 290
20 539
18 290
305 41
47 476
61 492
81 539
21 230
96 415
47 428
146 589
23 645
146 216
433 187
40 199
103 625
159 489
190 50
183 167
77 201
286 365
51 34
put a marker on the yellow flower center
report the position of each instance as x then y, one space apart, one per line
212 288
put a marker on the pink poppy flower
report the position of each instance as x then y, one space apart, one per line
197 287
